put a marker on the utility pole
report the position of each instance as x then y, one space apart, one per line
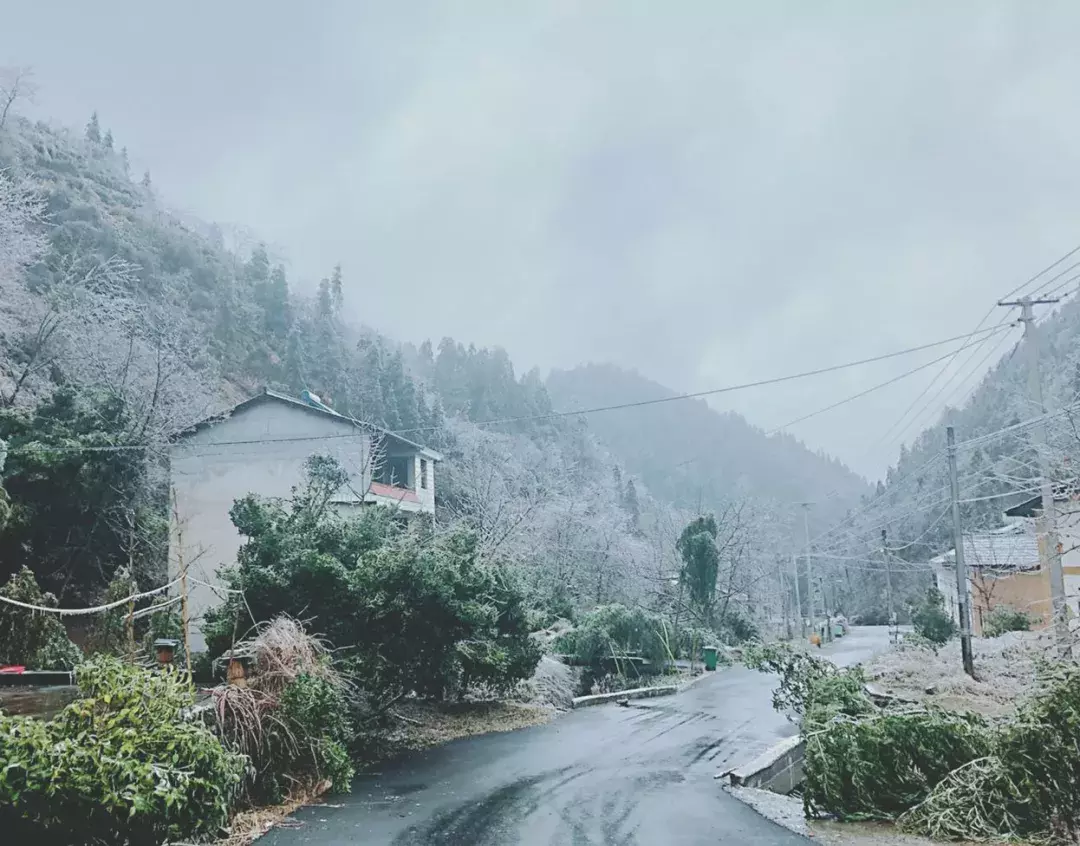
809 568
888 586
961 568
798 596
1049 549
785 597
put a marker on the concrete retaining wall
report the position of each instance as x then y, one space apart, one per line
37 678
636 693
778 768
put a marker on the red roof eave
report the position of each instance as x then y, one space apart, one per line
394 493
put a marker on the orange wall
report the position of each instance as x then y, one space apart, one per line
1026 591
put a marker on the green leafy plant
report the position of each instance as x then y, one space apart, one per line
109 632
930 620
31 639
410 611
1005 619
913 641
611 632
1026 786
701 563
811 690
122 765
292 718
318 715
102 498
877 766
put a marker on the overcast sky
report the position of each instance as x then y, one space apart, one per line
708 192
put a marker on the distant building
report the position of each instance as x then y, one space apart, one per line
260 446
1003 570
1067 508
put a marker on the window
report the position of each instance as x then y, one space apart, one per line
423 473
394 470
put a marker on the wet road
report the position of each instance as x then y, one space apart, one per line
602 776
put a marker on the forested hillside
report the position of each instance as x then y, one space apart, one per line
123 322
690 454
997 463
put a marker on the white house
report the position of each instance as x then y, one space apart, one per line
260 446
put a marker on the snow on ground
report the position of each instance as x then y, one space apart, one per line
1005 670
552 685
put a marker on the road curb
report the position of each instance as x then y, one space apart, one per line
777 769
636 693
690 682
784 811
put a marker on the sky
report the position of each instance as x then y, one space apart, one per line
708 192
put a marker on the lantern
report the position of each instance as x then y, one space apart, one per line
165 649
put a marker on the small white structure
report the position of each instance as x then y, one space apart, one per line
260 446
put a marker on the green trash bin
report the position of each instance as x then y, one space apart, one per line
708 655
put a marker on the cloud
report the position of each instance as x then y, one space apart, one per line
712 195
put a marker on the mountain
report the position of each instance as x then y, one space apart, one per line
996 461
693 455
121 322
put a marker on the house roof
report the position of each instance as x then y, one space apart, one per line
348 496
269 395
1012 547
1063 492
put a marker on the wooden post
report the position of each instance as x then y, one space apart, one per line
182 566
130 624
184 621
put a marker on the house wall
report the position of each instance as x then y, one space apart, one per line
1027 590
945 578
208 476
1069 536
426 495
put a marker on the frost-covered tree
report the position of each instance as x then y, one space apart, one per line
15 84
93 130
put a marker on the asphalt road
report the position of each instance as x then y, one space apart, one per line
607 775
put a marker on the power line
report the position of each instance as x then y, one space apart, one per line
978 326
550 415
863 393
900 432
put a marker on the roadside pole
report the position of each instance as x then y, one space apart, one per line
785 597
1049 549
961 569
893 631
809 570
798 596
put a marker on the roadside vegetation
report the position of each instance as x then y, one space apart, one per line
333 632
944 773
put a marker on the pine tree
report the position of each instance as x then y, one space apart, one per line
325 300
275 303
633 508
257 268
108 139
337 296
701 562
124 162
93 130
146 180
